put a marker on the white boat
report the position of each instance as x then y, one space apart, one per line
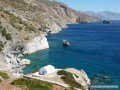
66 43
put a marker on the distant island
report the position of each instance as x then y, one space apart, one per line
107 15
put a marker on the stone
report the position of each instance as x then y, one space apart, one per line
38 43
25 62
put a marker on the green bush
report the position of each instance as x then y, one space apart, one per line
1 44
68 78
8 37
65 73
0 80
33 84
0 27
1 49
4 75
3 32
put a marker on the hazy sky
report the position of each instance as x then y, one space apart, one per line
94 5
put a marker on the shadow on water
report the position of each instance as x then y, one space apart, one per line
116 58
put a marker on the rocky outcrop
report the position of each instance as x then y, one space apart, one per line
25 62
38 43
12 54
81 77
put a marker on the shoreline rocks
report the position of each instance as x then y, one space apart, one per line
25 62
13 54
13 51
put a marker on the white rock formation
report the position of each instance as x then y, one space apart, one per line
2 62
38 43
54 28
15 64
12 54
25 62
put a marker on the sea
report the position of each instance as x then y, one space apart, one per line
94 47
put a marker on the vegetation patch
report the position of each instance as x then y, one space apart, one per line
33 84
5 34
1 46
8 36
0 80
76 76
15 21
0 28
3 31
1 49
68 78
19 4
4 75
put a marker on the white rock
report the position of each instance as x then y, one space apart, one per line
25 62
17 75
86 77
38 43
20 55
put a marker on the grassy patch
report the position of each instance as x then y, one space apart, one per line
33 84
68 78
4 75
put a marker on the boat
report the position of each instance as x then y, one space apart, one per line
66 43
106 22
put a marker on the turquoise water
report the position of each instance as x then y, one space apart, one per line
94 47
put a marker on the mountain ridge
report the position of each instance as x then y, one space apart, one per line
107 15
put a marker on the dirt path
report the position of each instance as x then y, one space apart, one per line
5 85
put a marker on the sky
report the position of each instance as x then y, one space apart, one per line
94 5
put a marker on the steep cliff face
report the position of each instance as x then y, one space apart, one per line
23 23
38 43
58 14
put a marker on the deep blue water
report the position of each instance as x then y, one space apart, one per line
94 47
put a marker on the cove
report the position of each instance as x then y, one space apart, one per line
94 47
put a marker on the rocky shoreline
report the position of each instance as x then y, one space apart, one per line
12 58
